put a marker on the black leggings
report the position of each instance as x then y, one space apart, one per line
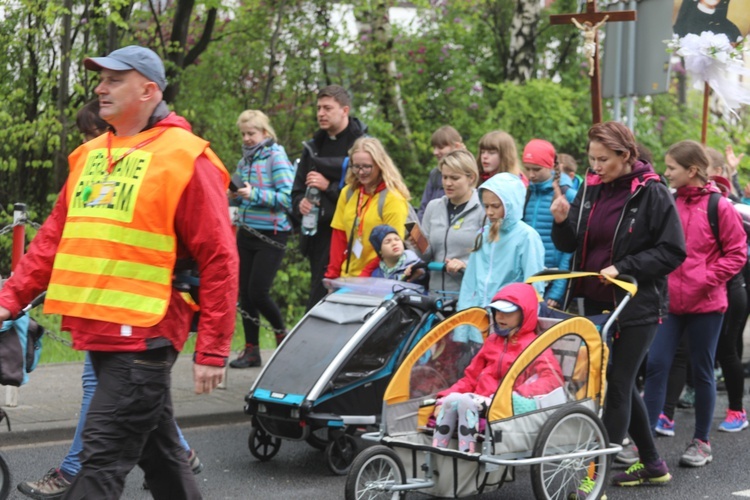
726 350
259 263
624 410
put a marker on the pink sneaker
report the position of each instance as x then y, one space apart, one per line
735 421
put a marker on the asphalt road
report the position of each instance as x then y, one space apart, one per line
299 471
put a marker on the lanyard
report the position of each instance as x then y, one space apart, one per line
362 211
111 163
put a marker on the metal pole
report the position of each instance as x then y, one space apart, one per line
19 234
631 72
618 68
19 241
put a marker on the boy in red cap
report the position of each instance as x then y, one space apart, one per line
539 160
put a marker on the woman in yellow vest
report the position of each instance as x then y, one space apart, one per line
374 194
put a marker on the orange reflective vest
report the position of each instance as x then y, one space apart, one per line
118 248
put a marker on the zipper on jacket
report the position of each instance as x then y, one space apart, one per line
447 230
658 295
500 359
617 230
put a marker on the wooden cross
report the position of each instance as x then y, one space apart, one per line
592 19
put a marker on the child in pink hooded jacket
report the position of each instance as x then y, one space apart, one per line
513 326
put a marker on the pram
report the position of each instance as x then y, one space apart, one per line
327 378
559 434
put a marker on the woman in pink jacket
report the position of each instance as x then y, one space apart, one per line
697 292
513 327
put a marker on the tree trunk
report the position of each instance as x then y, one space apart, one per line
388 90
61 156
524 27
180 56
272 48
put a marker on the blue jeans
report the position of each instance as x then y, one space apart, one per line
71 464
703 335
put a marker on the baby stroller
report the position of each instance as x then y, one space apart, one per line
327 378
558 434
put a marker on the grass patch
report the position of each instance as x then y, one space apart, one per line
54 351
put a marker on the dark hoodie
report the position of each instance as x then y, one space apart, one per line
631 223
604 215
326 156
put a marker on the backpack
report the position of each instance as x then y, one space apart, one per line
713 221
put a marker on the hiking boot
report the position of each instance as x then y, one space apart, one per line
628 455
193 461
687 398
697 454
664 426
247 358
638 473
280 337
735 421
52 485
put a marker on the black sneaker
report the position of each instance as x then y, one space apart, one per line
248 358
53 485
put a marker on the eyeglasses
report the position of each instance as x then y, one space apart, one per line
364 168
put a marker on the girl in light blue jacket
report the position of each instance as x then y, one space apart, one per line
508 250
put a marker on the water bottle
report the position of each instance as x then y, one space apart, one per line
310 221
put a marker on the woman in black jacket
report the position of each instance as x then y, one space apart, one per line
623 221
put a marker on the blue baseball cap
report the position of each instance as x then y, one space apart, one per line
144 61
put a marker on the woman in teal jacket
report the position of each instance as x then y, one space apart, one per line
508 250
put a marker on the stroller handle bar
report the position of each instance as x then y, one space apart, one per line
439 267
628 283
624 281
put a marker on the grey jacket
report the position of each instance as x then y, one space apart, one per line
450 241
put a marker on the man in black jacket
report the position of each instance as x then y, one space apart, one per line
323 165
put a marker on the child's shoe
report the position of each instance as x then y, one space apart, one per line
664 426
697 454
735 421
637 474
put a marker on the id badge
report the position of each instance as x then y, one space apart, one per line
101 193
357 248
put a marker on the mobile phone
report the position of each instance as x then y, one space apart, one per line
236 183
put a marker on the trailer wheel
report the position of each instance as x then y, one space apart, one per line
340 454
372 473
263 446
571 429
319 439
